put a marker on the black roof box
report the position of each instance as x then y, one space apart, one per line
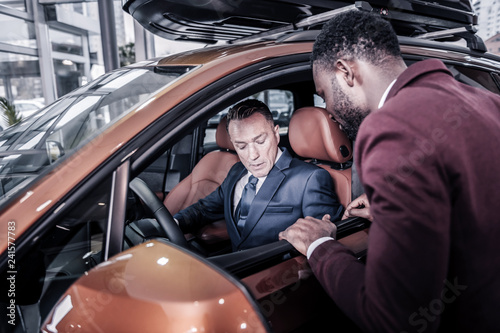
209 21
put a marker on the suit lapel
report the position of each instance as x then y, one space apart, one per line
265 194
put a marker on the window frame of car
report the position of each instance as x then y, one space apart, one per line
125 163
242 83
246 88
173 124
51 122
214 97
452 54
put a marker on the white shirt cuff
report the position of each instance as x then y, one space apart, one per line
317 243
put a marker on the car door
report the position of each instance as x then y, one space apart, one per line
63 248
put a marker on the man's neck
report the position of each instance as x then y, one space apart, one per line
383 78
278 155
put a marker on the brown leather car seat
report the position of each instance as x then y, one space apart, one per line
314 135
206 176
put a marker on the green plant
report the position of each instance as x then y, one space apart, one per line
9 113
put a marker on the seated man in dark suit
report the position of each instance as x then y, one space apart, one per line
268 190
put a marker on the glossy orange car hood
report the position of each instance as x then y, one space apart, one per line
154 287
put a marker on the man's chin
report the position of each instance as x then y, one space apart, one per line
258 174
350 132
352 136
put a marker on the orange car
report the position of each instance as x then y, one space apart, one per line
88 185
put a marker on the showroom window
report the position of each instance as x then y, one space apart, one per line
15 4
16 31
69 76
20 77
27 88
66 42
70 60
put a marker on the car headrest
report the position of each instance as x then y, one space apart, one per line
314 134
222 137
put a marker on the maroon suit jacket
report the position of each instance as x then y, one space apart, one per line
429 161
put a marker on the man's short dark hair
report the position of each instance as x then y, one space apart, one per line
355 35
248 108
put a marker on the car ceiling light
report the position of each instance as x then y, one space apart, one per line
67 62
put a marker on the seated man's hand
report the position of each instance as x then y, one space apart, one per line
359 207
305 231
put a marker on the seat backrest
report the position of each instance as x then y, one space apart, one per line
206 176
315 135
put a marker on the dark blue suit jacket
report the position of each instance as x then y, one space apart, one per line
292 189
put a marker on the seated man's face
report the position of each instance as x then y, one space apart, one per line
256 143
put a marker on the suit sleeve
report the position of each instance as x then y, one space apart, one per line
203 212
319 196
401 286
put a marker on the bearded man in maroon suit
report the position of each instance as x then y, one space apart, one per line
427 152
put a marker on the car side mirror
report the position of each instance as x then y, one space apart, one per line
54 150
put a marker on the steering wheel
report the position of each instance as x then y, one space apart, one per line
160 212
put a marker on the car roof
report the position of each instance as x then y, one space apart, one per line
213 21
429 46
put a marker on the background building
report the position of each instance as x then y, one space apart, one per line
50 47
493 44
488 12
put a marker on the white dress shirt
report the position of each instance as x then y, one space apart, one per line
384 96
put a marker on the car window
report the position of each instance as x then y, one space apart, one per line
279 101
281 104
24 107
59 130
63 253
209 143
173 165
476 77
